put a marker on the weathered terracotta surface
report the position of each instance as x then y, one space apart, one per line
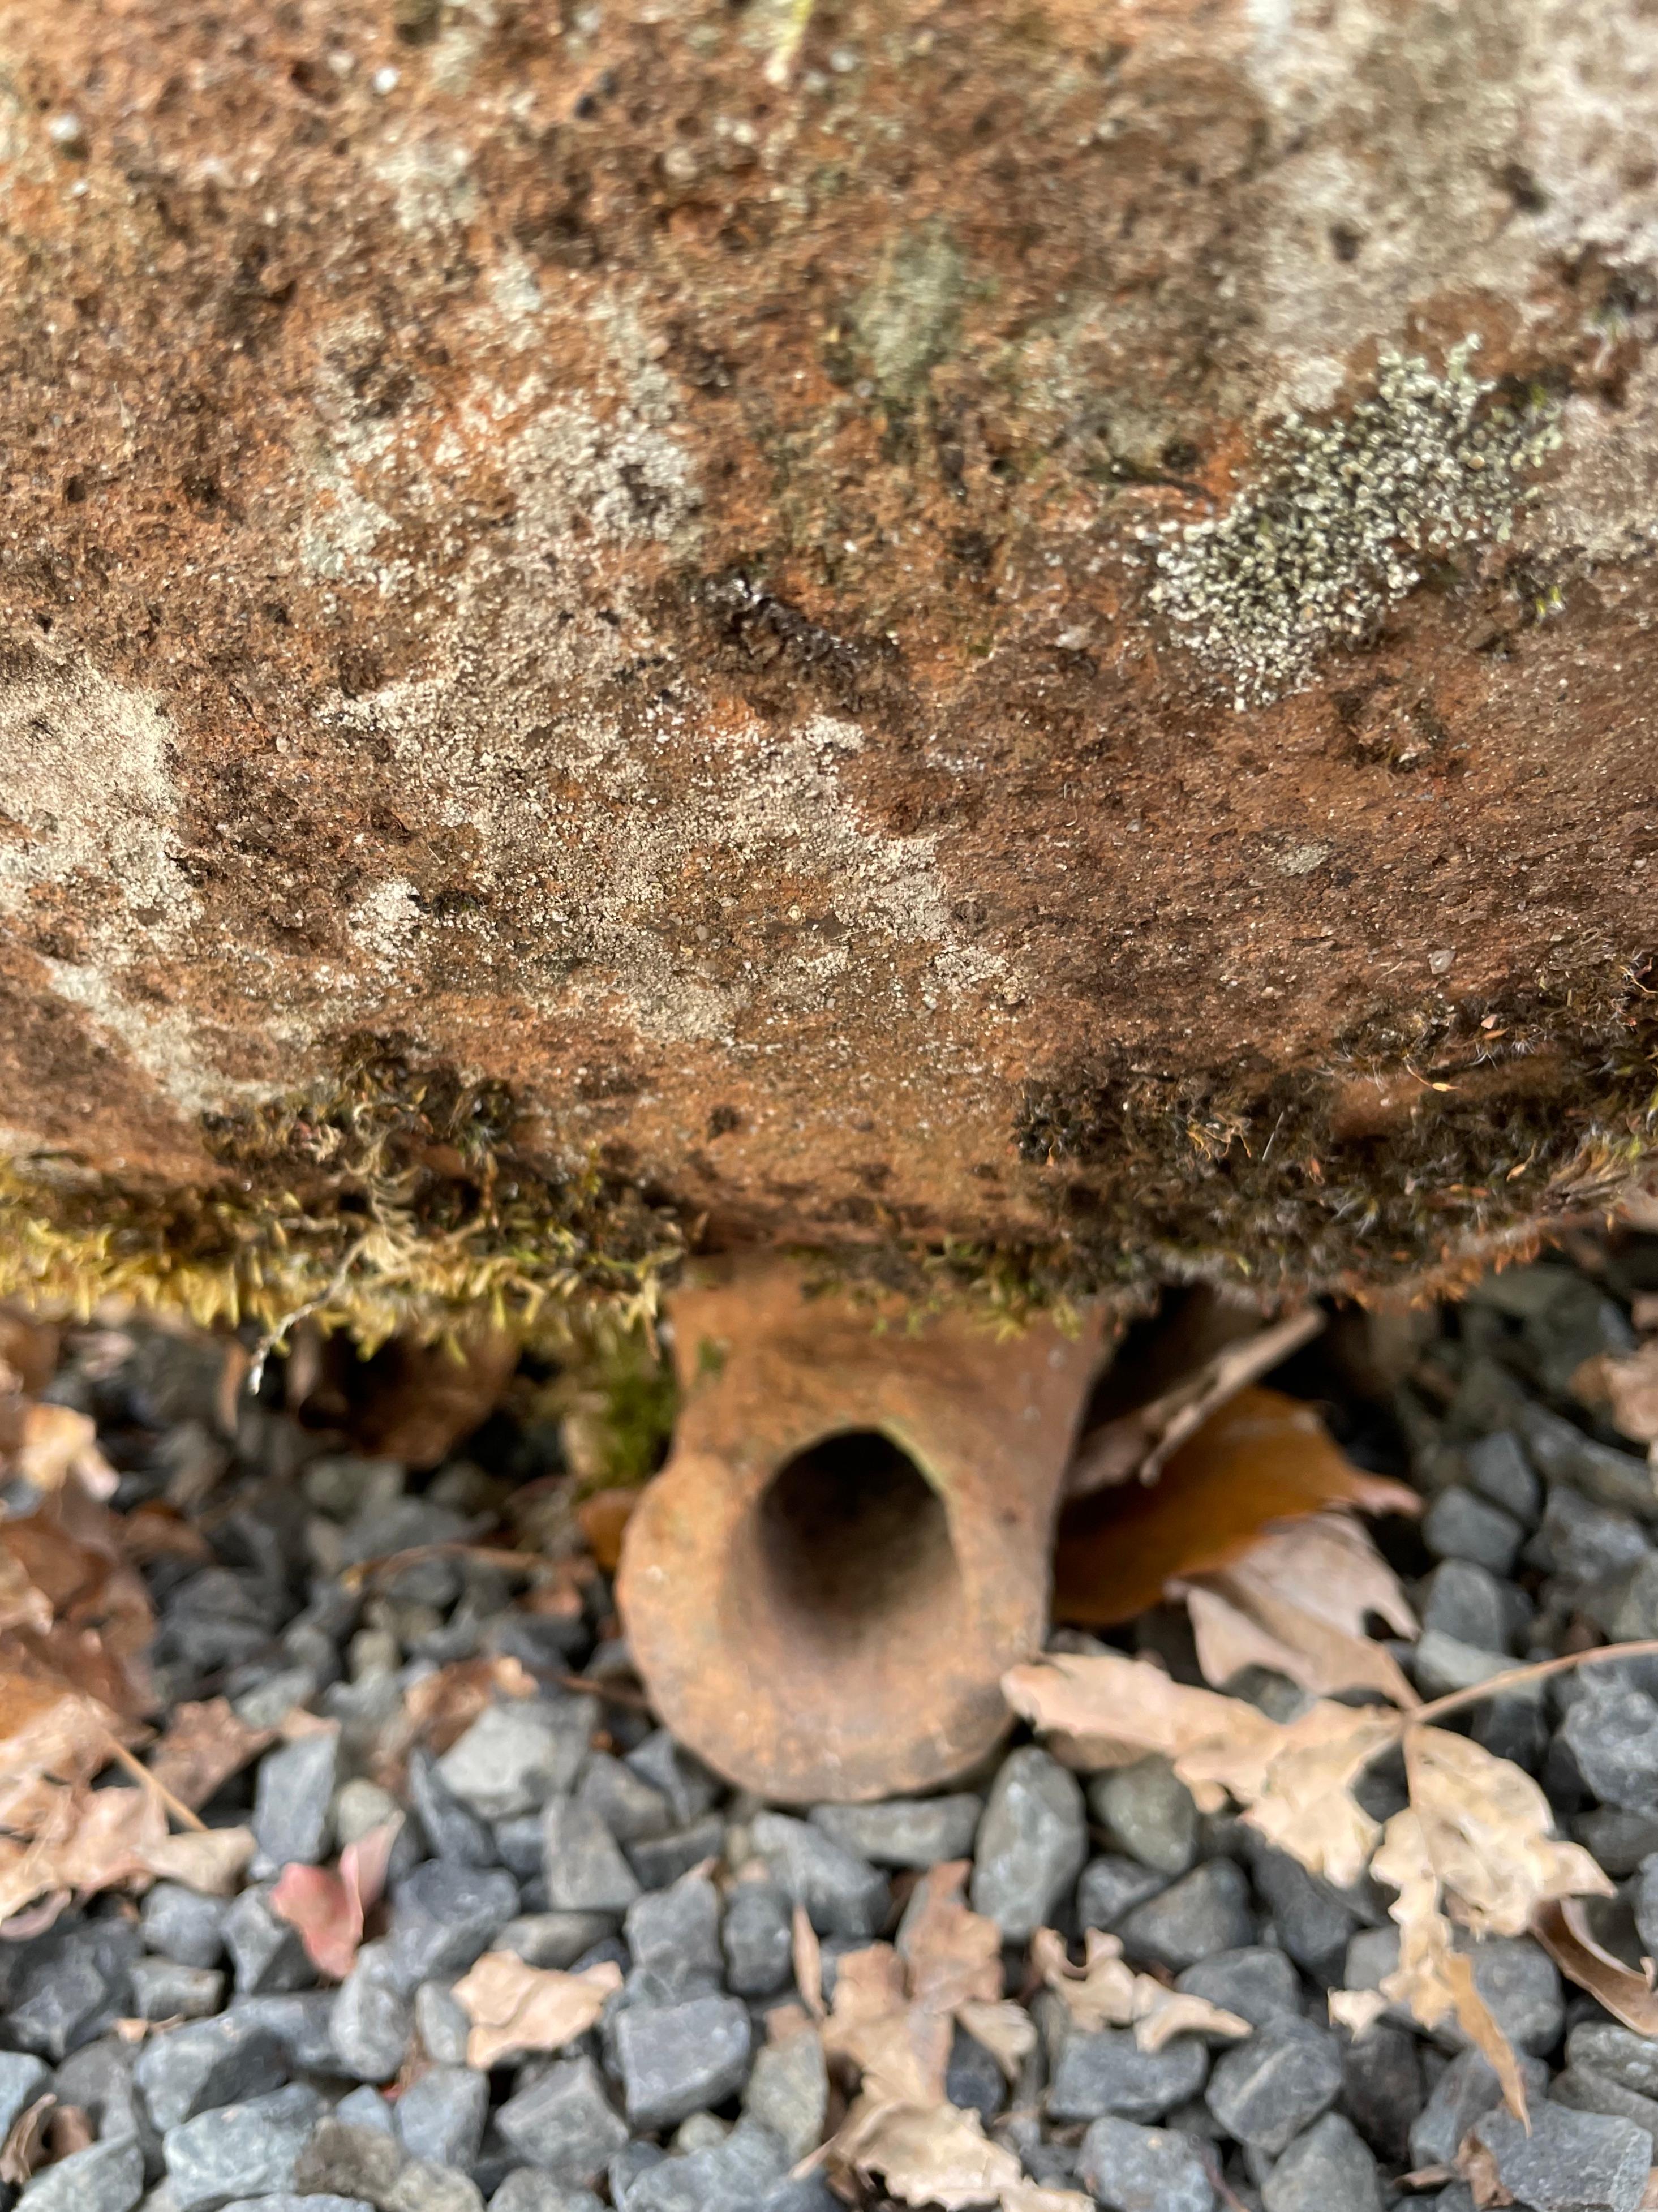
840 1628
618 544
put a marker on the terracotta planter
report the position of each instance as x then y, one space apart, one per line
850 1543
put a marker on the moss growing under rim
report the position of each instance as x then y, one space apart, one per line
391 1199
388 1199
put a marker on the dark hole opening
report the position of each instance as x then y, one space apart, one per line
851 1532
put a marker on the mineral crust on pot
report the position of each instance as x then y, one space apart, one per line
1012 644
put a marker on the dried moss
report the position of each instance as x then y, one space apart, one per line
390 1198
1507 1116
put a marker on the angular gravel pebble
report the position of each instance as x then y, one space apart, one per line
1258 1983
1266 2090
1031 1844
106 2177
291 1822
1107 2072
673 1934
905 1831
585 1869
1329 2166
443 1916
1111 1887
1149 1811
1207 1911
843 1895
1461 1525
1134 2169
565 2124
515 1756
373 2016
182 1926
22 2079
1570 2161
756 1938
677 2059
190 2070
247 2149
441 2115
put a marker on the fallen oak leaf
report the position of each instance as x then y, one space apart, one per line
514 2007
898 2050
59 1445
1294 1780
1432 1978
929 2154
1105 1992
1485 1826
1259 1460
210 1861
329 1906
1562 1927
1356 2010
1005 2029
1297 1603
202 1747
952 1954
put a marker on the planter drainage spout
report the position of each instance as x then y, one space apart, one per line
850 1542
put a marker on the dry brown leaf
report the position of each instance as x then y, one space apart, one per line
900 2050
1294 1781
1627 1387
1005 2029
24 2147
929 2154
210 1860
808 1960
1138 1442
57 1445
1478 2168
203 1746
514 2007
1432 1978
30 1349
1031 2196
83 1840
1356 2010
1485 1827
1562 1927
1261 1459
1297 1602
953 1955
413 1401
602 1518
441 1707
1105 1992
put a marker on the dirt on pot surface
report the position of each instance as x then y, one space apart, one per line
898 625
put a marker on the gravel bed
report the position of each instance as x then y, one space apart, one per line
567 1828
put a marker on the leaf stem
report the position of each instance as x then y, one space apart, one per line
142 1775
1500 1685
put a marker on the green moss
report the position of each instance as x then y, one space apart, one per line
390 1198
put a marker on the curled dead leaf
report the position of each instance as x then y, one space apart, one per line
929 2154
1297 1602
1431 1977
57 1445
203 1746
1356 2010
25 2147
953 1955
1562 1927
1261 1459
1105 1992
1485 1826
211 1861
514 2007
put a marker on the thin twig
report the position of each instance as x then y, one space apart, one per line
612 1693
483 1555
1500 1685
141 1774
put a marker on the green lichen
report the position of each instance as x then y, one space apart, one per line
1348 518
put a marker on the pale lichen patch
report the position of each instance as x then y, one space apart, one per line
1345 519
